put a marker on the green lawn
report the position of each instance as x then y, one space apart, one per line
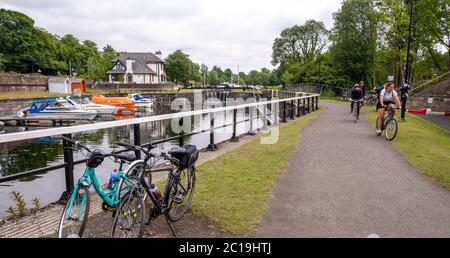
235 189
424 144
27 94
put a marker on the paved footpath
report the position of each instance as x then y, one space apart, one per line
344 181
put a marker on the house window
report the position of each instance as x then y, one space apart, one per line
119 66
129 78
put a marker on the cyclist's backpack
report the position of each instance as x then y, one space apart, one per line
188 159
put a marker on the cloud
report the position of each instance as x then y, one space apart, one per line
224 33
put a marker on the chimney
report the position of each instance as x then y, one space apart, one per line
158 54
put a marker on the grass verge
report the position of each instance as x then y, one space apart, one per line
234 189
424 144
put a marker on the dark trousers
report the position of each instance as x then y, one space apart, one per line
403 100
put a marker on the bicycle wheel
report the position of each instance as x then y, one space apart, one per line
391 130
129 219
181 192
73 223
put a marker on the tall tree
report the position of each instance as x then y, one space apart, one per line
300 43
354 39
180 68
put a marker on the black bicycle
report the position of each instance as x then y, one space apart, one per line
389 125
175 200
371 100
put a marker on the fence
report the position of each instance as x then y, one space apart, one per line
299 104
322 89
13 83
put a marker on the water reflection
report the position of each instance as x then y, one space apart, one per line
22 156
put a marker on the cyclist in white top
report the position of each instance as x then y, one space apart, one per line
387 97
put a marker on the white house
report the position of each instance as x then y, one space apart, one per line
138 68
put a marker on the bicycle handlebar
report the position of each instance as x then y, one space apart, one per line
76 143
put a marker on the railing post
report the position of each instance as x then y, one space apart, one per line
312 104
304 106
181 139
234 137
137 138
212 146
265 119
317 102
251 130
292 109
284 112
68 169
309 104
298 107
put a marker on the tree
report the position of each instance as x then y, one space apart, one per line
433 25
213 77
300 43
354 39
180 69
228 75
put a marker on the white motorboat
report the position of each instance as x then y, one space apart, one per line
86 104
140 101
56 109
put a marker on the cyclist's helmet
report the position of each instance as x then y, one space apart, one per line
361 83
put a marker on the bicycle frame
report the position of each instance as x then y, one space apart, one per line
387 119
90 178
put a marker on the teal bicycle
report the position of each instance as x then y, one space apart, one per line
75 215
389 124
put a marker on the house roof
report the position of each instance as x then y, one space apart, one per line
64 79
57 79
140 62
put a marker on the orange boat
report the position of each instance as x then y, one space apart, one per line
122 102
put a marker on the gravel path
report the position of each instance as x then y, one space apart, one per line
344 181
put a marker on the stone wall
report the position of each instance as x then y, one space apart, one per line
14 83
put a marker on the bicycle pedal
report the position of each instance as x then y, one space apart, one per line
106 207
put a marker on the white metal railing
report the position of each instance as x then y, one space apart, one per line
12 137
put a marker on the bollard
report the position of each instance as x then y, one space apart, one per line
234 137
211 146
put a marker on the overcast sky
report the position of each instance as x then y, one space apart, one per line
214 32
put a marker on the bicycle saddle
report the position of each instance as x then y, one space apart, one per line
127 156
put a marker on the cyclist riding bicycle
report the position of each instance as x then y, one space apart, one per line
387 97
363 89
356 94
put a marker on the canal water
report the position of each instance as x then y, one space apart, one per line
22 156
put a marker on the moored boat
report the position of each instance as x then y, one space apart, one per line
140 101
122 102
86 104
56 109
